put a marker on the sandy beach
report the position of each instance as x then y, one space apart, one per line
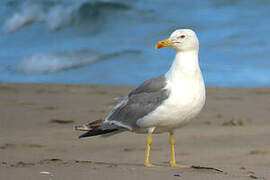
37 140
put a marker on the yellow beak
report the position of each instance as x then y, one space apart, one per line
164 43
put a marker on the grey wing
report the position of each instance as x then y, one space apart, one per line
151 85
140 102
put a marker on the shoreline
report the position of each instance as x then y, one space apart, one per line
36 134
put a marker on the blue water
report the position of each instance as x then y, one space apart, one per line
112 41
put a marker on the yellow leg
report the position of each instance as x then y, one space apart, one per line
173 162
147 153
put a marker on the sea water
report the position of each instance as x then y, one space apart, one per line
113 41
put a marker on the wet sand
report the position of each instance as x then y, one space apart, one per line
37 140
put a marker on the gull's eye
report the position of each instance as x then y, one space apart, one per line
182 36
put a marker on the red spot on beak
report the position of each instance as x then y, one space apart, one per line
159 46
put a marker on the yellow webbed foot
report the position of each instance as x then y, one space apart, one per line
150 165
175 165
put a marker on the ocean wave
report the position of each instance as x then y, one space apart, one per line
56 62
90 10
20 19
59 15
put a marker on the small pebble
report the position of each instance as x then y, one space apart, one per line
45 173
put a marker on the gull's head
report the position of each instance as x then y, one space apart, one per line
181 40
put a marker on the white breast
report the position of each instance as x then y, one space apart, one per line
184 103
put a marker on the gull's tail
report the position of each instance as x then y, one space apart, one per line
94 129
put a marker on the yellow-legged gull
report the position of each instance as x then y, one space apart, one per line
161 104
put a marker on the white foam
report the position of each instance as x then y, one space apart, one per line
61 61
58 17
55 17
25 16
50 63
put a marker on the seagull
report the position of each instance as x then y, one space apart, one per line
161 104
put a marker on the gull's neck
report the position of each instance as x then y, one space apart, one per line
184 66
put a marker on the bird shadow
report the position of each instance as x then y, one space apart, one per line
163 164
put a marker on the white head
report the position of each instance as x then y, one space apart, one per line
181 40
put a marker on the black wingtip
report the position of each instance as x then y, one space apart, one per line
80 137
87 134
95 132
